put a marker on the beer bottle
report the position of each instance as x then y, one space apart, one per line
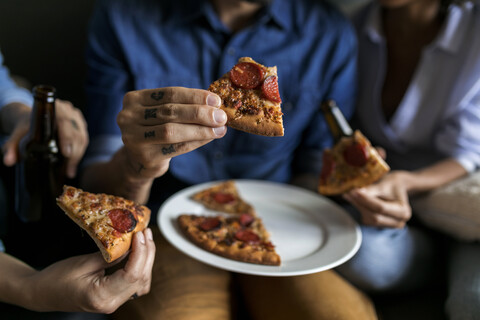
337 123
40 171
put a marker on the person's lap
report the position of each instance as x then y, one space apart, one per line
323 295
183 288
392 260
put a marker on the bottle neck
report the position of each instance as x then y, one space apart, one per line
336 121
43 124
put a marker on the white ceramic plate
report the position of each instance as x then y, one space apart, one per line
310 232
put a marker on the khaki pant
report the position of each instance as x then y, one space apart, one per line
184 289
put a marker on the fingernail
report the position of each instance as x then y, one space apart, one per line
220 116
219 131
67 151
213 100
149 234
8 159
141 237
71 172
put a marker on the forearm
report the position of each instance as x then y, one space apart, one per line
434 176
117 177
15 284
11 115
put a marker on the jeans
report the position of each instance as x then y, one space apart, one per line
401 260
392 260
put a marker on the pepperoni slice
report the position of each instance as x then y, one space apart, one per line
122 220
223 198
270 89
210 223
246 219
356 155
328 165
246 75
247 236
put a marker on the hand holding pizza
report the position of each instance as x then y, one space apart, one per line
158 124
384 204
80 283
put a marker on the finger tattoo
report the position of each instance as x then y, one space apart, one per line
149 134
168 150
150 113
157 95
74 124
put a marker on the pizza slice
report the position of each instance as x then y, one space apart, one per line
110 221
250 98
224 197
237 237
351 163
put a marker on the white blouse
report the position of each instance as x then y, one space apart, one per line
439 115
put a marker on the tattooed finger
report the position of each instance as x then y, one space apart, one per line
157 95
150 113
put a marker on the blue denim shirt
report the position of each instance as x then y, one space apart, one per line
9 91
150 43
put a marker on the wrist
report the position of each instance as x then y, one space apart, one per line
133 171
26 292
136 185
33 294
408 180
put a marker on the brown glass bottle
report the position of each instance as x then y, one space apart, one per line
40 171
336 121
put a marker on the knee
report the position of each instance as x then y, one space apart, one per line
388 260
368 275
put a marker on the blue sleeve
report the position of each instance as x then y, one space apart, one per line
107 82
9 91
341 86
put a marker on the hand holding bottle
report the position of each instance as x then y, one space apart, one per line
72 133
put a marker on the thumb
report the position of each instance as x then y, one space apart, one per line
10 151
11 146
91 263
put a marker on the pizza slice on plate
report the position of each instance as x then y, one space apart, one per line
110 221
224 197
250 98
237 237
351 163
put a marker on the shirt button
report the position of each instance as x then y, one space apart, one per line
218 155
231 51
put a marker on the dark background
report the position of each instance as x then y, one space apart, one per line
44 42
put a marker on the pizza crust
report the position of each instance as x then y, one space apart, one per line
346 177
89 212
251 124
206 198
237 250
253 120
